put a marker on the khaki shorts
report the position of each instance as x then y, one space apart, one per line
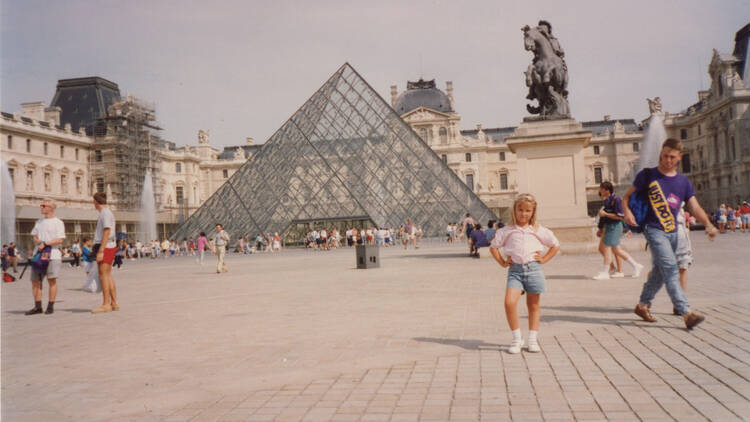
53 271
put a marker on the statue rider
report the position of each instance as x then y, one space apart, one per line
546 29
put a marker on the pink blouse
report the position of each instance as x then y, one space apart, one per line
520 244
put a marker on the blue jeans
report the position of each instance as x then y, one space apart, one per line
527 277
665 269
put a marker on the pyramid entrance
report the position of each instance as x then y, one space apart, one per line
343 155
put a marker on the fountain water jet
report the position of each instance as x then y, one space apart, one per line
8 210
147 223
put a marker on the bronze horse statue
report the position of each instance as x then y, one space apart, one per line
546 76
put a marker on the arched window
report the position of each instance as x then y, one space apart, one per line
443 136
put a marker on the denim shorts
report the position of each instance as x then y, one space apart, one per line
527 277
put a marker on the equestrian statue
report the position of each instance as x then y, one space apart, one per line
547 75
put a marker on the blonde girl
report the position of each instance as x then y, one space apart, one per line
523 242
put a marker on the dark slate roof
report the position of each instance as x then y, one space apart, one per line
422 94
597 127
228 152
7 115
740 48
83 100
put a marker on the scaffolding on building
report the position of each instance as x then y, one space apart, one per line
126 147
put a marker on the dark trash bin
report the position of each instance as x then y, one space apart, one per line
368 256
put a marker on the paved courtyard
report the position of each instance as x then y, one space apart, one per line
303 336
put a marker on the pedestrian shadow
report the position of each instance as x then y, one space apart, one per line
76 310
599 309
437 255
464 344
566 277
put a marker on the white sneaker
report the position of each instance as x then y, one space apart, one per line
617 275
601 276
534 347
515 347
637 268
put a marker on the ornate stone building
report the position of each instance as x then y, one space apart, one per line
482 159
716 130
79 146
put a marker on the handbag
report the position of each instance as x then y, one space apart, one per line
40 260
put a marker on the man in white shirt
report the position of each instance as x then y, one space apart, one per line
48 231
220 242
105 246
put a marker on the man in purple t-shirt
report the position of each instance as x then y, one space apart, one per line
666 190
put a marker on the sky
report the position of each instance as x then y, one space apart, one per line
241 68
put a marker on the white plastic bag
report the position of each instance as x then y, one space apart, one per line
92 283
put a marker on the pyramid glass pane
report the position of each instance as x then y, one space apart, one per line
345 156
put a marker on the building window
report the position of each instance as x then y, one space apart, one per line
597 175
46 149
502 155
100 184
30 180
468 157
731 148
10 142
78 184
423 134
179 195
98 156
596 150
699 130
63 183
683 133
47 181
12 173
716 149
225 172
62 151
686 163
444 157
470 181
443 136
178 167
636 147
76 154
503 181
28 145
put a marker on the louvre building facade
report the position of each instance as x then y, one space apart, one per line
344 158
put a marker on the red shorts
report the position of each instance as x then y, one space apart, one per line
109 255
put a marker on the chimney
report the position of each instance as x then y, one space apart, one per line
33 111
52 115
449 91
394 94
249 140
606 117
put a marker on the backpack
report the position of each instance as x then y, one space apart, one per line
639 206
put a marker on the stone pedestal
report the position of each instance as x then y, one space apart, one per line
551 167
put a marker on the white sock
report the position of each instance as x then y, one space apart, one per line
516 334
606 269
632 261
533 336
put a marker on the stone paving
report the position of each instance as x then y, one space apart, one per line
303 336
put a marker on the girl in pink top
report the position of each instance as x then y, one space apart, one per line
523 242
202 240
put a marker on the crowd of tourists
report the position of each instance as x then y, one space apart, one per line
332 238
731 218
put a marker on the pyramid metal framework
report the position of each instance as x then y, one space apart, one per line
345 154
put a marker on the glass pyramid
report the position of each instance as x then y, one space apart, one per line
345 155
